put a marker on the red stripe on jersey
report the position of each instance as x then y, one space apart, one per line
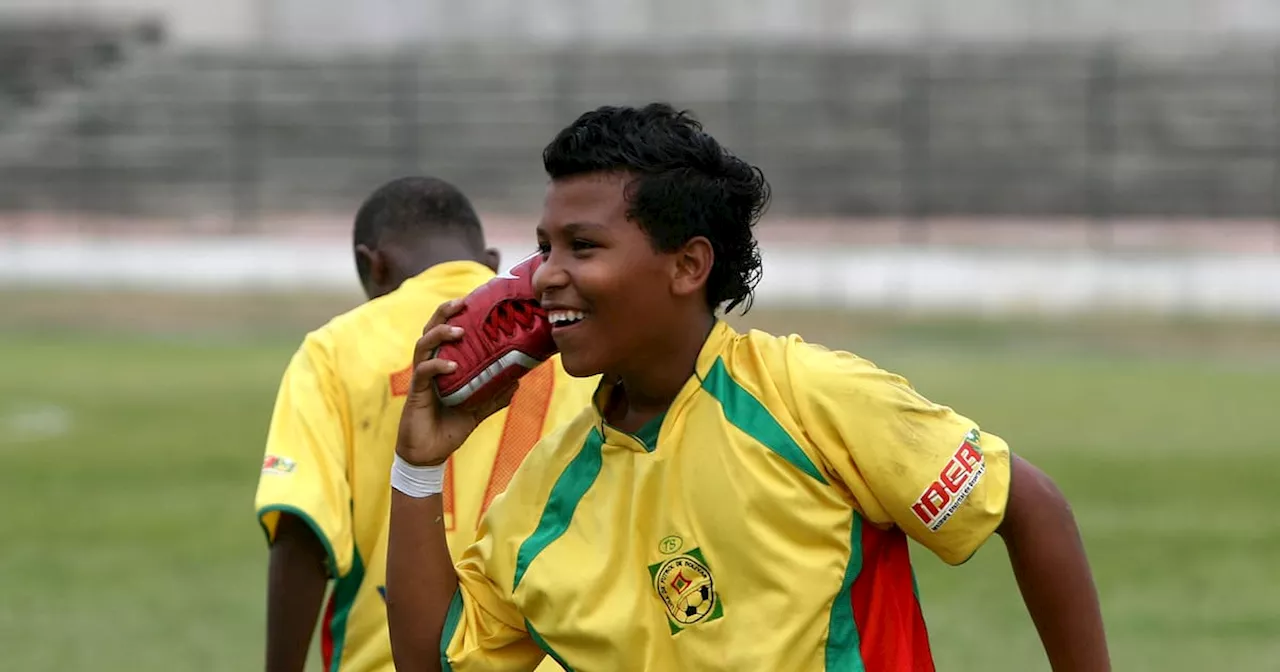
326 634
885 608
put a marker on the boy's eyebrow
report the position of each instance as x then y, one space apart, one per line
573 228
579 227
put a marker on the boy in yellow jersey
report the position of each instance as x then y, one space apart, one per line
323 495
729 501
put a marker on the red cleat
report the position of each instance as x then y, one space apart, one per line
506 333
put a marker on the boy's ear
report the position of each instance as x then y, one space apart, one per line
692 266
493 259
376 270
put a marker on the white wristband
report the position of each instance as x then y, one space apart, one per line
417 481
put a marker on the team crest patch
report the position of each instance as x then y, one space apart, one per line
687 589
274 464
958 478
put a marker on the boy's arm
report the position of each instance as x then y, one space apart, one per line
304 501
950 485
438 615
1053 573
296 580
421 581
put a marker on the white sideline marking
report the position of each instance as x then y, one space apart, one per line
924 279
24 424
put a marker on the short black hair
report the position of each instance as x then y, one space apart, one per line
412 208
686 185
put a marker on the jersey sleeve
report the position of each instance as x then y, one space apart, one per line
486 629
905 460
304 471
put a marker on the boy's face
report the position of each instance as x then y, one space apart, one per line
602 266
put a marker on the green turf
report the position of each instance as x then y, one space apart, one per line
129 460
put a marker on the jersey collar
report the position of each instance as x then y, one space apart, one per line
646 439
448 273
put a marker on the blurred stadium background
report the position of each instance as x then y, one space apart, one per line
1061 217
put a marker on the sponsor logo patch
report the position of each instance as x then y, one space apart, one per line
687 589
957 479
274 464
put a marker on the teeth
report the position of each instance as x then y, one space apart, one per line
558 317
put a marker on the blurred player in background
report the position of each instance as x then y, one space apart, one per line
323 494
729 501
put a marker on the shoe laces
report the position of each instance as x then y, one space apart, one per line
509 317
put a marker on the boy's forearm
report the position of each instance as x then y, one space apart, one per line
1052 570
296 581
421 581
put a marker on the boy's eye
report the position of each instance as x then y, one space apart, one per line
580 244
544 249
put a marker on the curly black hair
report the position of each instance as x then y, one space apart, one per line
686 185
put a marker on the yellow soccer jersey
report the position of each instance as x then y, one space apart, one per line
760 524
332 439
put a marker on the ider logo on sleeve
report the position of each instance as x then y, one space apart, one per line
274 464
958 478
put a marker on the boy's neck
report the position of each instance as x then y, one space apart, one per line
646 393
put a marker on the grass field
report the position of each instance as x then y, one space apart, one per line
131 430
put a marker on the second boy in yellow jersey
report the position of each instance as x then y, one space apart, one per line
323 494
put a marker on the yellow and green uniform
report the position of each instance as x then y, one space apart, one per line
332 439
761 523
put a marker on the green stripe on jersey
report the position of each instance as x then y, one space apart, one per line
844 648
344 595
747 413
569 489
542 644
450 627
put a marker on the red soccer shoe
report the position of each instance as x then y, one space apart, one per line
506 333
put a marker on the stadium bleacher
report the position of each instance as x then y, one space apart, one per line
42 54
1045 130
